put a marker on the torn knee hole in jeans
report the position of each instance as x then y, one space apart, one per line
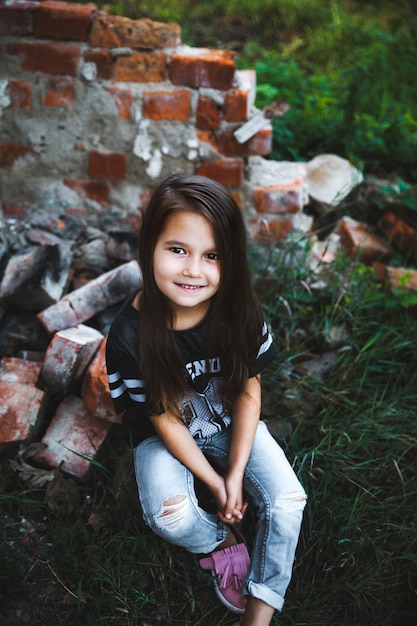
172 511
291 500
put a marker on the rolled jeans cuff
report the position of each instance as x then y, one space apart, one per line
261 592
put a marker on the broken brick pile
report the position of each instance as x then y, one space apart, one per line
57 394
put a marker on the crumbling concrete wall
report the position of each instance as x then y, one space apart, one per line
95 109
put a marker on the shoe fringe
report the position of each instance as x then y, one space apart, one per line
235 569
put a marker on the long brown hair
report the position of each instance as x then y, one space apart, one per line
236 313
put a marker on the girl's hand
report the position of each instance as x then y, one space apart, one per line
234 508
220 496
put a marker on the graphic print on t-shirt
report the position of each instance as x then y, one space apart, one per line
204 413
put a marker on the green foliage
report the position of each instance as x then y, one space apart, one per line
350 93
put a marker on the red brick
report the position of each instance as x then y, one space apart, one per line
15 210
15 370
114 31
123 100
264 229
208 115
68 356
21 407
63 20
17 18
360 243
95 391
284 198
259 144
141 67
208 137
95 190
99 294
238 101
20 94
238 197
228 172
111 165
60 59
73 439
399 233
11 152
397 278
103 61
61 93
201 67
236 106
167 105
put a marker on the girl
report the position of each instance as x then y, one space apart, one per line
184 358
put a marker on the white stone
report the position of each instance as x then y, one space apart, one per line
265 173
4 96
89 71
155 165
142 146
251 127
302 222
192 155
192 142
331 178
214 94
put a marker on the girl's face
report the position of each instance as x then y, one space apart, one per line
186 266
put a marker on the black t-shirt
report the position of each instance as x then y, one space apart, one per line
202 408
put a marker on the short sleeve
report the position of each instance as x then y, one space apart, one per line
267 351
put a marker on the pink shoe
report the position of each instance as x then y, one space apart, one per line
229 567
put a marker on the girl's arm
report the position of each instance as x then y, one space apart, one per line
181 444
245 418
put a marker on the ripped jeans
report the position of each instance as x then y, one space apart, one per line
272 488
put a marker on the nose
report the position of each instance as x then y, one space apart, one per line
193 266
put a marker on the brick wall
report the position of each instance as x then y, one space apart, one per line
95 109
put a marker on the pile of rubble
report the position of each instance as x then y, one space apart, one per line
56 305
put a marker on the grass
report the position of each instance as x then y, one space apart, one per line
352 440
355 451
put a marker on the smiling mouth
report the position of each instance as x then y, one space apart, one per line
190 287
